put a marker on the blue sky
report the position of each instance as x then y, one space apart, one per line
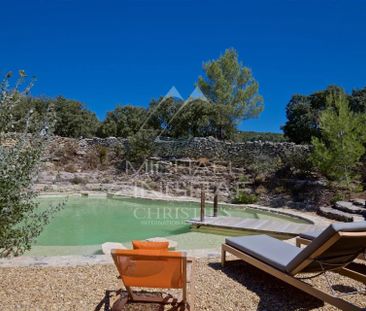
108 52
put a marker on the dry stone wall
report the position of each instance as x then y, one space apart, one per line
228 151
211 148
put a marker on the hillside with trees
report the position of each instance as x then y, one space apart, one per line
303 112
230 95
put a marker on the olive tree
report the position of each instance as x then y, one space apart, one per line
21 219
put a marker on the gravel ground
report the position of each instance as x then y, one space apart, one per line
238 286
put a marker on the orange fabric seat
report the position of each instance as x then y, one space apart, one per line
152 269
150 245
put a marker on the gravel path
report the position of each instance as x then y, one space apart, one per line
236 287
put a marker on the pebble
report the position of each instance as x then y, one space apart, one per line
238 286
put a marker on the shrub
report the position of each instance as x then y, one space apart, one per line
78 181
118 151
260 190
244 198
21 220
297 163
338 197
264 165
140 146
243 178
363 170
91 160
338 152
66 152
102 153
70 168
279 189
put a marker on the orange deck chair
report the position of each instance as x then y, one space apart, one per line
152 269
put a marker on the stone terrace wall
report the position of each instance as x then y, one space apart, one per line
229 151
210 148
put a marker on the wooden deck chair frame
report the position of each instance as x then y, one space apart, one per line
302 241
187 295
298 283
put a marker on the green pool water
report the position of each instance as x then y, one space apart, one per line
87 222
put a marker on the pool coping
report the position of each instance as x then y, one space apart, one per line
80 260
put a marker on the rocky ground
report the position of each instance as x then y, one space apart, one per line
238 286
74 165
71 165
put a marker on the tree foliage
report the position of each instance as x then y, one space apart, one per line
164 115
233 91
21 221
123 121
232 96
140 146
199 119
343 135
178 119
303 113
358 100
73 119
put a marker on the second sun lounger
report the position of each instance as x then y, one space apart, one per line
307 237
332 250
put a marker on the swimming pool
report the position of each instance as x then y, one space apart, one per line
87 222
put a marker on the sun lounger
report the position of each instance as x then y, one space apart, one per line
331 250
307 237
152 269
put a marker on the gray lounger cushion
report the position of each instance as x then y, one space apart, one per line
310 235
340 248
265 248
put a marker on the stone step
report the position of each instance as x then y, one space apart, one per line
335 214
349 207
359 202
